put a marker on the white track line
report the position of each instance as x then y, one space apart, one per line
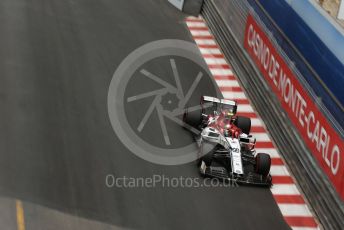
215 61
205 42
304 228
210 51
256 122
218 71
196 24
284 189
200 33
295 210
279 170
227 83
245 108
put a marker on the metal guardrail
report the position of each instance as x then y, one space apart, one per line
227 20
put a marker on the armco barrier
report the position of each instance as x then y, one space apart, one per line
230 21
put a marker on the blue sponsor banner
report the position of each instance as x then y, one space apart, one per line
318 41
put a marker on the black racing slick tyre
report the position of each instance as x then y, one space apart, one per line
263 164
193 118
243 123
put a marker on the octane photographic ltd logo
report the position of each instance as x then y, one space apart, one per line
147 97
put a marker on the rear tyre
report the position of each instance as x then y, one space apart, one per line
193 118
243 123
263 164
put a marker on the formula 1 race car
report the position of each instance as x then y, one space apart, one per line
226 146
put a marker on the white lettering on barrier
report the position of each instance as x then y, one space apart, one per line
315 131
335 157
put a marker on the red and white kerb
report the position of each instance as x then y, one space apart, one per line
284 189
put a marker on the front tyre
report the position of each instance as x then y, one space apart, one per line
263 164
243 123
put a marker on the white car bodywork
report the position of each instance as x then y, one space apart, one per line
233 145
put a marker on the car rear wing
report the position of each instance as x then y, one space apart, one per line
219 104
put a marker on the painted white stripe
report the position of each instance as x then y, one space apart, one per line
196 24
272 152
210 51
284 189
233 95
245 108
256 122
200 33
215 61
227 83
304 228
195 18
261 136
216 71
279 170
205 42
294 210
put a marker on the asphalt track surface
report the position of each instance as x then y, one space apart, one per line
56 141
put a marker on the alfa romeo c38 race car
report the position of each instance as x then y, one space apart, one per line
226 146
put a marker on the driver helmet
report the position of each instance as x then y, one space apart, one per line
228 114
